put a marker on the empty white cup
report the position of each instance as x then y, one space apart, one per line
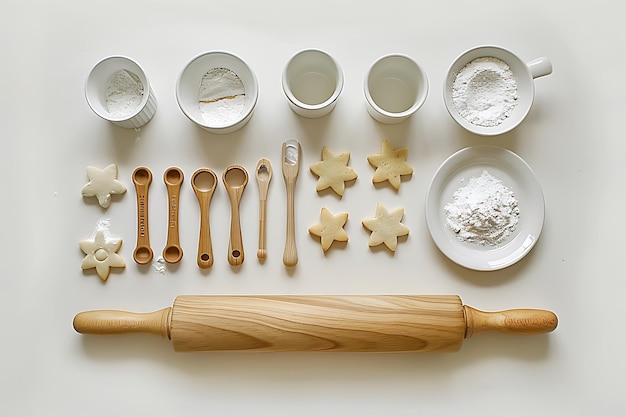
312 81
104 92
523 73
230 113
395 87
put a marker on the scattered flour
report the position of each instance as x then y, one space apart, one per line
221 96
160 266
124 93
484 211
484 92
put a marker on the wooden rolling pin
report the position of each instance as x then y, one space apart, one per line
360 323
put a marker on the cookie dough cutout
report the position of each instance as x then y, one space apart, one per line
386 227
333 171
102 184
101 254
330 228
390 165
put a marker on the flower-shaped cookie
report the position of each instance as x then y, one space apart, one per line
101 254
330 228
386 227
390 164
103 183
333 171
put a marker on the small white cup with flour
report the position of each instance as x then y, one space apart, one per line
118 90
395 87
312 81
217 91
489 90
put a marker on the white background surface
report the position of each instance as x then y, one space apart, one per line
572 138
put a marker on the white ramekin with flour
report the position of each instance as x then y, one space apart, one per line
118 90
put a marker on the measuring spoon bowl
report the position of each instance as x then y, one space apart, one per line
235 178
142 178
203 182
173 178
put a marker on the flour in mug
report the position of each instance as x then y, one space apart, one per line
221 96
124 93
484 92
484 211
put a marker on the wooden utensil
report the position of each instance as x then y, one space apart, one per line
263 178
291 155
203 182
173 178
361 323
142 178
235 178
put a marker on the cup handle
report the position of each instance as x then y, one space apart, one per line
540 67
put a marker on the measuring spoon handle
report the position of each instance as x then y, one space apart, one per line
262 251
142 178
173 178
235 191
204 195
290 254
235 243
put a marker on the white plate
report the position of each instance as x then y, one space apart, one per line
514 174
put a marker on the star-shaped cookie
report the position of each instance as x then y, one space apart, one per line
330 228
102 183
333 171
386 227
101 254
390 164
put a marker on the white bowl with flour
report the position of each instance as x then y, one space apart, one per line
218 91
489 90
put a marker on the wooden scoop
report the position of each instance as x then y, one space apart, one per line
332 323
203 183
263 178
142 178
173 178
235 178
291 166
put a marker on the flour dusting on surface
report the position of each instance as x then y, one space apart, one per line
160 266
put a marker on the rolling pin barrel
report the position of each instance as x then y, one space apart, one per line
400 323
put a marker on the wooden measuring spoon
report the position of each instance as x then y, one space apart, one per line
142 178
291 155
263 177
173 178
235 178
203 183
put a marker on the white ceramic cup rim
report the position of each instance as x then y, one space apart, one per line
243 117
138 71
522 74
333 97
420 99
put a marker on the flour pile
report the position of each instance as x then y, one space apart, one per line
484 212
484 92
222 97
124 93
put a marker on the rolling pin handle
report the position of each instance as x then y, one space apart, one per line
106 322
519 321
